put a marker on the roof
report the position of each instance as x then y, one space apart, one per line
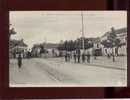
122 30
46 45
51 45
117 31
17 43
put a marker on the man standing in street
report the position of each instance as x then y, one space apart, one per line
88 57
66 56
78 52
19 60
74 55
83 57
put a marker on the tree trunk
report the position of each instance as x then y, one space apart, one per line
113 54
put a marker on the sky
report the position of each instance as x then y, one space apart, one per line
54 26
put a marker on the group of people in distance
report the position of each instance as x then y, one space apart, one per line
77 56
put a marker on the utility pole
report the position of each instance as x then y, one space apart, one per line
82 31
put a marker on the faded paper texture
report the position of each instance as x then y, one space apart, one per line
68 49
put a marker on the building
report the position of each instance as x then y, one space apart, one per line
17 46
50 46
52 49
44 49
121 34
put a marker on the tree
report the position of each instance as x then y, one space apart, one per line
11 32
88 43
113 39
42 49
117 43
106 43
75 44
66 45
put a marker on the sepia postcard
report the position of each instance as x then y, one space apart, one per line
68 49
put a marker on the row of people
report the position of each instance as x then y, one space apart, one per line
77 56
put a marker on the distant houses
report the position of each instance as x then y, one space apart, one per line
96 46
51 46
49 49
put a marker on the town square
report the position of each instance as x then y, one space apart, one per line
68 48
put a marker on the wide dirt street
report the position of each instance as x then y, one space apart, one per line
55 72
